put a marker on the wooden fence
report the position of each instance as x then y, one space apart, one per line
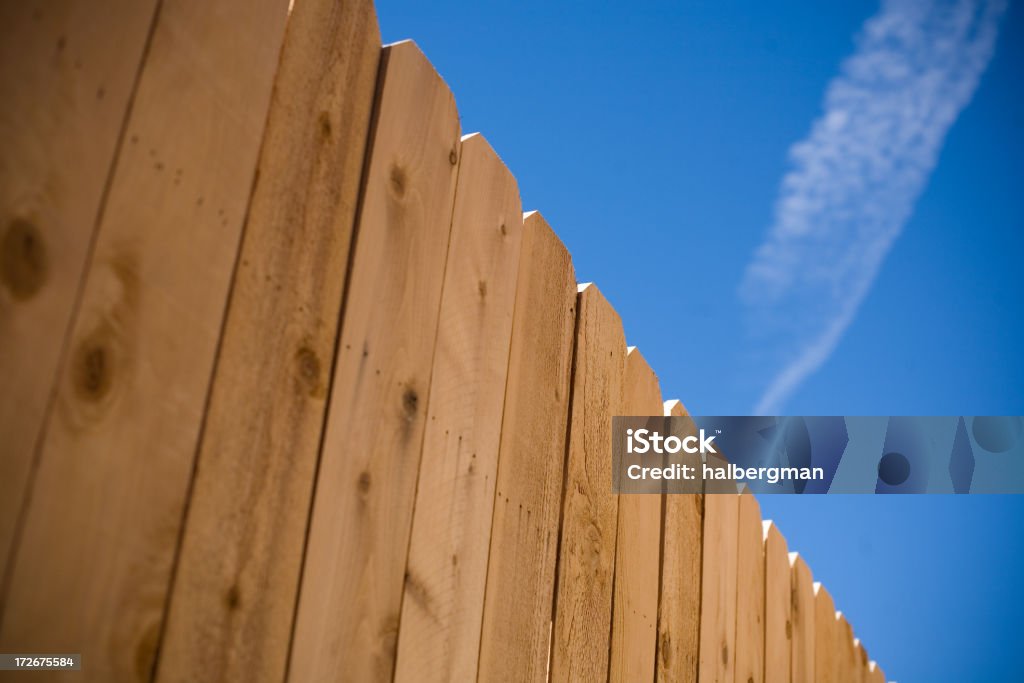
294 389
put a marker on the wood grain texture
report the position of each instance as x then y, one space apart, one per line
718 580
446 573
516 632
92 571
845 653
778 627
750 593
454 419
583 601
860 661
826 669
679 611
679 619
349 603
67 73
237 579
802 610
638 547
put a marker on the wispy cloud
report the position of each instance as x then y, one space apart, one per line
854 179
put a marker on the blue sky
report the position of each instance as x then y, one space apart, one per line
655 138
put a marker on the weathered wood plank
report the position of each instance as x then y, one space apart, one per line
354 571
236 583
679 611
67 73
718 604
802 617
750 593
583 601
638 548
826 669
516 633
778 632
93 567
446 573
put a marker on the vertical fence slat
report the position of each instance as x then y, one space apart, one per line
231 611
844 650
67 71
802 617
777 604
353 575
635 604
750 593
446 572
93 568
860 661
516 633
679 611
583 602
826 668
718 603
875 673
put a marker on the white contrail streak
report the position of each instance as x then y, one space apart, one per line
854 179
